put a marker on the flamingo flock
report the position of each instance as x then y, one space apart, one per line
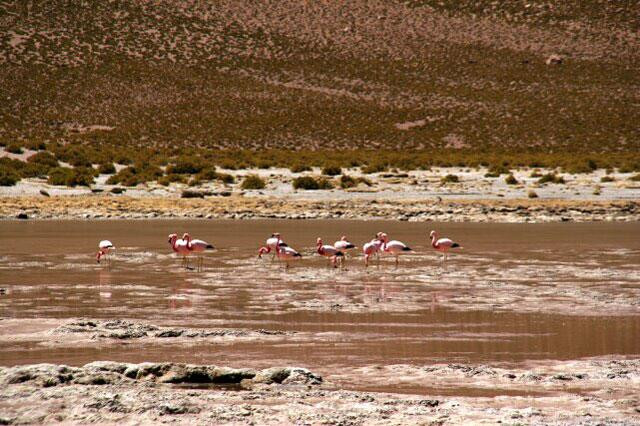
380 245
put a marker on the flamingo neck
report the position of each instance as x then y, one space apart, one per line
434 239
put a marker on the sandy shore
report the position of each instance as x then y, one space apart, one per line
238 207
413 196
586 391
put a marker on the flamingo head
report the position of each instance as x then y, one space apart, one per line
275 235
383 237
172 238
319 241
186 236
343 238
432 234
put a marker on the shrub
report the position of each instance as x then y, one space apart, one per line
65 176
226 178
310 183
133 175
532 194
107 168
450 179
36 146
208 173
44 158
331 170
8 177
186 165
535 174
496 171
14 148
511 180
253 182
551 178
374 168
607 178
35 170
347 181
299 168
305 182
172 177
192 194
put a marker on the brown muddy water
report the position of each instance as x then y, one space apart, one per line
515 293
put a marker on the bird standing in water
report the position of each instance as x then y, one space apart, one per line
443 245
393 247
104 247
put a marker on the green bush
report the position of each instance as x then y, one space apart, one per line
208 174
226 178
65 176
607 178
511 180
136 174
44 158
107 169
551 178
253 182
305 182
172 177
8 177
36 146
496 171
375 168
331 170
187 165
347 181
311 183
14 148
450 179
299 168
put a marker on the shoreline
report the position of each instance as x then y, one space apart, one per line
107 207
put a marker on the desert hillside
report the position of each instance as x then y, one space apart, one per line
535 75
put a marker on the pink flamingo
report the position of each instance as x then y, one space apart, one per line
198 247
393 247
372 248
286 253
330 252
180 246
271 245
443 245
104 247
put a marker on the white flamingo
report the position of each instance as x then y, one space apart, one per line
270 245
104 247
443 245
371 248
198 247
393 247
286 253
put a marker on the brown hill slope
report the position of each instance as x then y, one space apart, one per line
323 75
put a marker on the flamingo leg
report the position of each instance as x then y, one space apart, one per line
397 260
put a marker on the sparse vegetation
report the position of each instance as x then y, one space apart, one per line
106 169
14 148
551 178
331 170
532 194
8 177
65 176
511 180
253 182
299 168
450 179
311 183
607 178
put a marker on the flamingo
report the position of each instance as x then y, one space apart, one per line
104 247
343 244
328 251
286 253
180 247
371 248
197 247
393 247
271 245
443 245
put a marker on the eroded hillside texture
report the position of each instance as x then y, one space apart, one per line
536 75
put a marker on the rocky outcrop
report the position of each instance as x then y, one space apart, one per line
109 372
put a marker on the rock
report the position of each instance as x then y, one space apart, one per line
554 60
117 190
22 216
287 375
45 193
